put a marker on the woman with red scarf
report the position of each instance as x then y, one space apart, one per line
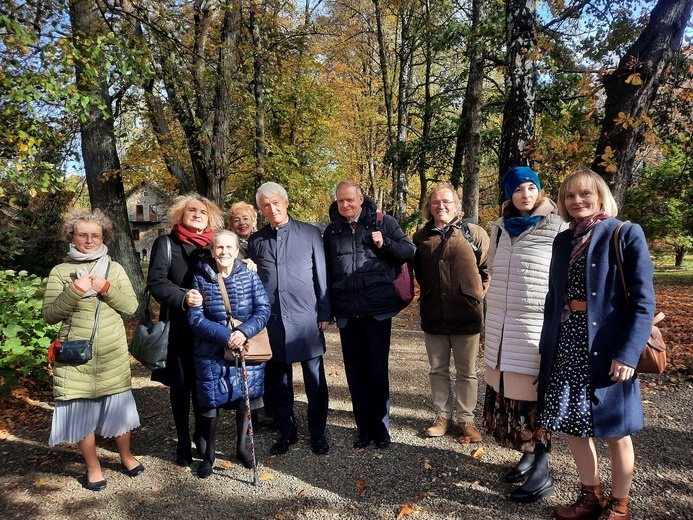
173 263
591 341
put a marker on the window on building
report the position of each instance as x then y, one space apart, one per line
136 234
139 212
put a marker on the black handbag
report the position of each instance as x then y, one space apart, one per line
76 350
149 343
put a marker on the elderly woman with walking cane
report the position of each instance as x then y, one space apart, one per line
222 383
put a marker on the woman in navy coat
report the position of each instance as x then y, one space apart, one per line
219 382
592 339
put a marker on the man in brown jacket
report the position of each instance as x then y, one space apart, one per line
450 266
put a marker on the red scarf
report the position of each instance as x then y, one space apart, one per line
583 233
199 240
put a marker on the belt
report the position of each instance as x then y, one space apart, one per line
577 306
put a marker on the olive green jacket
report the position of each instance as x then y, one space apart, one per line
108 372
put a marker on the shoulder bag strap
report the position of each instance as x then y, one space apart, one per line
619 262
227 303
98 307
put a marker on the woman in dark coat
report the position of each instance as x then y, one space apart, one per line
173 263
219 382
591 341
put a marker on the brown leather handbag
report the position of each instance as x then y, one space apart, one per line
653 359
257 349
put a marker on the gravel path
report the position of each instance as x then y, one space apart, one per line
429 478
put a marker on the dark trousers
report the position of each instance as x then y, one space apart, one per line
366 348
279 382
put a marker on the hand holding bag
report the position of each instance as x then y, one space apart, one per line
257 349
653 359
149 343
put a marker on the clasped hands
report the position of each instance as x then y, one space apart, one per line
90 281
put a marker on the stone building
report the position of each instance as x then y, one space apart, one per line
148 214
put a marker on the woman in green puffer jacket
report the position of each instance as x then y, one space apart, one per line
93 396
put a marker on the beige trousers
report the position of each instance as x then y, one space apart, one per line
465 349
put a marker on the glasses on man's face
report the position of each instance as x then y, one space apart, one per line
94 236
442 202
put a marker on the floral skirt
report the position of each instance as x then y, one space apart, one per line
513 423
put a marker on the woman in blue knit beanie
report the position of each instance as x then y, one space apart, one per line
519 259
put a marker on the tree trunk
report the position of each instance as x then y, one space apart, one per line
163 138
259 93
680 252
101 162
465 164
223 105
427 112
631 89
400 191
519 114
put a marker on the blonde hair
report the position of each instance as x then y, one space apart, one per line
215 218
589 179
77 216
455 197
242 207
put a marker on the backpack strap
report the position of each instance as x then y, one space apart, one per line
464 228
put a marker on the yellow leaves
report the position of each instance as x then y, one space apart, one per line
609 162
303 492
226 464
40 483
266 476
406 510
634 79
478 453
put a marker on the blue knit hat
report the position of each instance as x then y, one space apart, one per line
516 176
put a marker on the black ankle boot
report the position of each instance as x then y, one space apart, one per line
539 483
522 469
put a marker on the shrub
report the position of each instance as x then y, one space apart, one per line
24 336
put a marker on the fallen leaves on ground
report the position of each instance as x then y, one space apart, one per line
478 453
266 476
361 485
406 510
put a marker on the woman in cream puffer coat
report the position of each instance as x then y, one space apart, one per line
519 260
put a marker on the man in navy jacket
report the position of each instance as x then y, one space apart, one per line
291 263
362 253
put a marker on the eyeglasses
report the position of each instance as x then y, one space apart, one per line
85 236
442 202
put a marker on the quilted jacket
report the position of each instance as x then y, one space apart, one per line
108 372
515 298
219 381
361 275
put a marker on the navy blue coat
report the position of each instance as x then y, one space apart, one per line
219 381
291 264
361 275
617 330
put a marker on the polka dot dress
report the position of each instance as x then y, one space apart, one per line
567 407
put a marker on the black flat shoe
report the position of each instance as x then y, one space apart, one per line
320 445
362 441
382 440
99 485
520 472
205 469
527 496
282 445
137 470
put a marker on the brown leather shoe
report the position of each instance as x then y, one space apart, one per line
440 427
470 431
589 504
616 509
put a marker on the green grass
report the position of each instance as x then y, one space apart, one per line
674 277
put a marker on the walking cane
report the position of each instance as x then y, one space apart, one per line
251 433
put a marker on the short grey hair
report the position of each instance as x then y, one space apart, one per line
268 189
348 183
222 233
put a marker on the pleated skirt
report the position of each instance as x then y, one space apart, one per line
109 416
